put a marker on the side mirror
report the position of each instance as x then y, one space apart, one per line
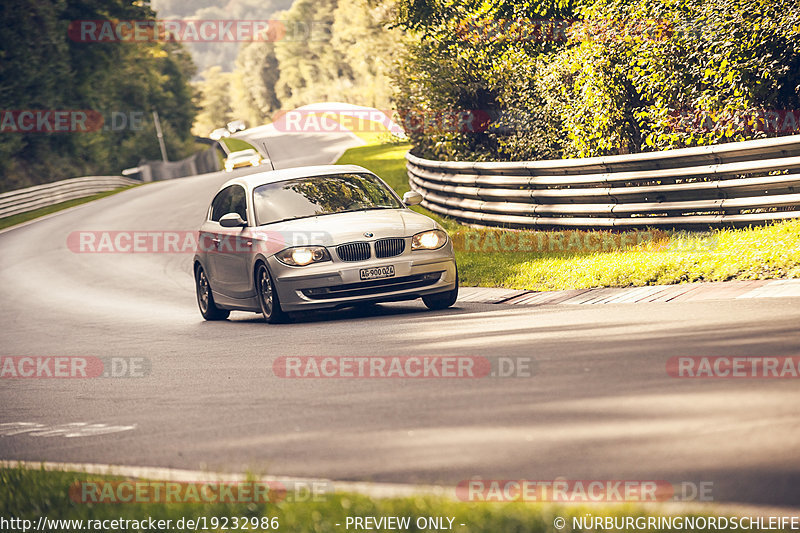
412 198
231 220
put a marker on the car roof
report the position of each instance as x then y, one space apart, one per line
252 181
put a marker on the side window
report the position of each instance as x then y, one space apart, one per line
238 202
220 204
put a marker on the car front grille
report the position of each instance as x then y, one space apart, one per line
367 288
389 247
354 251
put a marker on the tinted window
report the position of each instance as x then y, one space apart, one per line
229 200
221 202
238 202
321 195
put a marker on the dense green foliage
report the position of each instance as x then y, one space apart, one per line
629 76
320 51
462 60
221 54
347 59
42 68
548 78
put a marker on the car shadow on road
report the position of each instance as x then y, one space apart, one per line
407 309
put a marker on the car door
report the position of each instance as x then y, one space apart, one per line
209 238
231 258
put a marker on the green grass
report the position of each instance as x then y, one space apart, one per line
764 252
29 494
235 145
13 220
761 252
386 160
372 133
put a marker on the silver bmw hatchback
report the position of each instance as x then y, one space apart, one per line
318 238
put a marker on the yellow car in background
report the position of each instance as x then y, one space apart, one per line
242 158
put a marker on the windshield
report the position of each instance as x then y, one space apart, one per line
244 154
321 195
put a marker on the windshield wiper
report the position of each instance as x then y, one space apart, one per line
369 208
326 214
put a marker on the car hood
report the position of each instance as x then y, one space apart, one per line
331 230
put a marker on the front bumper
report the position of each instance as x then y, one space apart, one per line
338 284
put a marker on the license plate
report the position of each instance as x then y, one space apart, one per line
376 272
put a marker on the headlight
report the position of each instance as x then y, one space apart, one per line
303 255
429 240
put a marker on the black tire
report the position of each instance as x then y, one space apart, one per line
441 300
205 298
268 296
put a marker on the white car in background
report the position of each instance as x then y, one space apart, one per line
236 125
219 133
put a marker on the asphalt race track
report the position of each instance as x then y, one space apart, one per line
599 405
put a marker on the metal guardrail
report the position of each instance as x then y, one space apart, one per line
740 183
30 198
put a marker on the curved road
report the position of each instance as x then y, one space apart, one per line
600 404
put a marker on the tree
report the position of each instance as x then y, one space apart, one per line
215 101
44 67
257 73
480 58
629 76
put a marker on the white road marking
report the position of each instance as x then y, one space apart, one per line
71 430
